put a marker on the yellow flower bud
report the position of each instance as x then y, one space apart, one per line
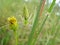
12 20
12 23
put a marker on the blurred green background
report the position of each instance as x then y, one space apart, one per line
15 8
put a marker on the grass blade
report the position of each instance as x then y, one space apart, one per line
51 6
49 10
40 30
35 23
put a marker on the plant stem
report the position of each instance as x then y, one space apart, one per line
40 29
49 10
51 6
35 22
16 37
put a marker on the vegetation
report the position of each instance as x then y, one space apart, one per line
29 22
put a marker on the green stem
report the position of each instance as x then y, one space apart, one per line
51 6
30 40
40 29
16 38
49 10
25 22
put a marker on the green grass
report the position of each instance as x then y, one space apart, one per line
43 26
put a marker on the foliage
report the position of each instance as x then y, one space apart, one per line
34 22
